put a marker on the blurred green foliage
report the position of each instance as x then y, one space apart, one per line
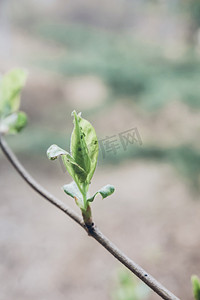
11 119
129 68
196 287
128 288
185 159
192 9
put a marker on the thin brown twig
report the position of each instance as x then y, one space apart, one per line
93 231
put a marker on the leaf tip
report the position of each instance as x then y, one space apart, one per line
51 154
109 188
73 113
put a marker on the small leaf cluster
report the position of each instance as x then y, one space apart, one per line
11 119
80 164
196 287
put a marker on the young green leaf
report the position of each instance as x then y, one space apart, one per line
90 138
79 149
72 190
104 192
196 287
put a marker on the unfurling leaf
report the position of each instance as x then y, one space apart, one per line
54 152
196 287
104 192
72 190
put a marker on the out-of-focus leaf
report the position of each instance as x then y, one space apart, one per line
196 287
10 88
73 191
14 123
127 288
19 123
104 192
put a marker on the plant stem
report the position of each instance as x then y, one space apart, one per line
92 230
87 217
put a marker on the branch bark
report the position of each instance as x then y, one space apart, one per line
92 231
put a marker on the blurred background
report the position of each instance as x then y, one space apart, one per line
133 69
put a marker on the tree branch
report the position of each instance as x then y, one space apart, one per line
93 231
